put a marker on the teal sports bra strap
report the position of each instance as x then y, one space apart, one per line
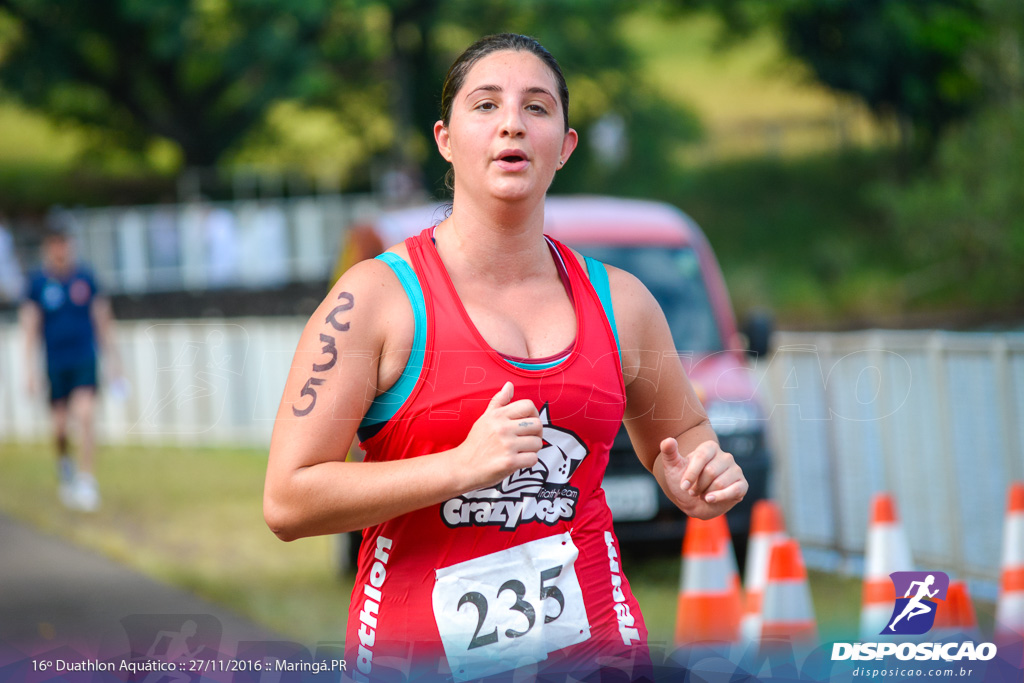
599 279
387 404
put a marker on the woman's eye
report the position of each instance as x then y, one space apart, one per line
486 106
537 108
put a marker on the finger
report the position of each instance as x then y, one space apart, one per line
713 472
524 460
670 450
503 396
671 459
734 492
529 444
529 426
523 408
697 459
727 478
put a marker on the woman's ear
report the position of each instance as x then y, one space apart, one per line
569 143
442 140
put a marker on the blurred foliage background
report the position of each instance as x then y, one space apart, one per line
853 161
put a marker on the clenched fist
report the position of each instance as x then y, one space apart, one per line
506 438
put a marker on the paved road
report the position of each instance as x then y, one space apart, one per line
59 598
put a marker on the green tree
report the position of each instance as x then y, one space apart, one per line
198 73
960 223
909 60
905 59
212 75
960 220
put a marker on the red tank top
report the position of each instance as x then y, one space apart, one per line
522 573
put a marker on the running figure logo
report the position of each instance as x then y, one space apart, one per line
914 613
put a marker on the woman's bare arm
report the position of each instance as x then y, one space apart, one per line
666 422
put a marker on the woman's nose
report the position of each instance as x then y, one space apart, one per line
512 126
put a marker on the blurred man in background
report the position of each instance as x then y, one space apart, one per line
63 310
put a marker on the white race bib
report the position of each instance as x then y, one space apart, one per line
510 608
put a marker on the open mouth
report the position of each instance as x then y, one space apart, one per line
512 157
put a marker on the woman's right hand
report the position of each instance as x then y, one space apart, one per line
505 439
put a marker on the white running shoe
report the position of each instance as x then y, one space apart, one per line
87 494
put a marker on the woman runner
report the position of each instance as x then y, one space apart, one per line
486 369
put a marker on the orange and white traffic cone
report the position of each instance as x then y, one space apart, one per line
1009 626
787 610
766 528
955 617
887 551
709 597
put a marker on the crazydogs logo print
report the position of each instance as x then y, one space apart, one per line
540 493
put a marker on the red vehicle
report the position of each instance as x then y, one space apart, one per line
666 249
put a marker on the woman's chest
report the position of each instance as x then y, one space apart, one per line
524 322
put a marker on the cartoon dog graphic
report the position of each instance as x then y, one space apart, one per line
560 456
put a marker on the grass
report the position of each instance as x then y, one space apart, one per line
192 518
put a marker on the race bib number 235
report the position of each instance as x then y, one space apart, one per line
510 608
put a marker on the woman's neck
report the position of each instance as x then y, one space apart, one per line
499 242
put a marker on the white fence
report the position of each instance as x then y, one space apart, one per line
190 383
932 417
206 245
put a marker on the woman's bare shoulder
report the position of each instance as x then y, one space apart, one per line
374 299
401 250
635 307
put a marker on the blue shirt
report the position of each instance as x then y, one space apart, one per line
67 320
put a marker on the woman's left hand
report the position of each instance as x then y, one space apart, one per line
705 483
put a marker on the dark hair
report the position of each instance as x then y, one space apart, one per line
496 43
474 53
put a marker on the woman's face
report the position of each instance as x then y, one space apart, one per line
506 136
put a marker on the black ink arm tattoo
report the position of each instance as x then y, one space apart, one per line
308 390
332 317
